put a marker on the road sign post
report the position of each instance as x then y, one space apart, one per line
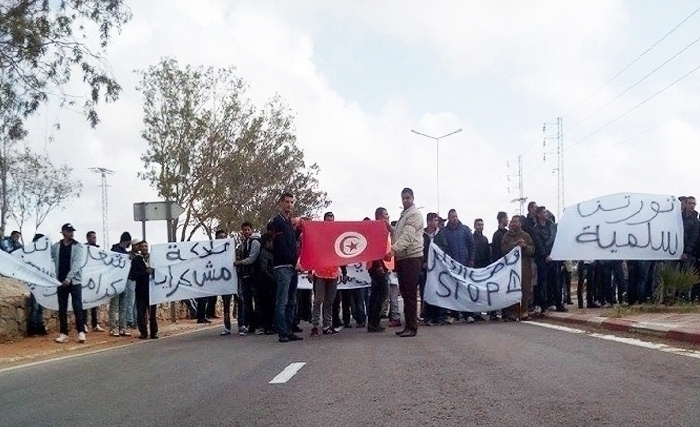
167 211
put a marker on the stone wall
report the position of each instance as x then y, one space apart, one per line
14 308
13 303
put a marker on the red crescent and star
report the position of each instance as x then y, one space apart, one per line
352 246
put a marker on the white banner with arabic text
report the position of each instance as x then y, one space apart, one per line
103 274
624 226
185 270
454 286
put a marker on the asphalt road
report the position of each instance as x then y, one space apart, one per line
500 374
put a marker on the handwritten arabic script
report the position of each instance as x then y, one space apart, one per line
185 270
623 226
457 287
103 274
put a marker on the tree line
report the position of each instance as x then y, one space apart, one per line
207 146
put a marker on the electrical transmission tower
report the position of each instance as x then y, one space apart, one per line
521 190
560 159
105 229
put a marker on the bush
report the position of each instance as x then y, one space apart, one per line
674 281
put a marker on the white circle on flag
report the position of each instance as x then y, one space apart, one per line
350 244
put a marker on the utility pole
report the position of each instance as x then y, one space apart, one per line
521 189
105 214
560 159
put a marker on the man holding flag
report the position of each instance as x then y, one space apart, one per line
329 244
408 252
325 282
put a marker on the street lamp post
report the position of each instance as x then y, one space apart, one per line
437 159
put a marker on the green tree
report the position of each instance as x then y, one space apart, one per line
43 41
11 131
213 152
42 44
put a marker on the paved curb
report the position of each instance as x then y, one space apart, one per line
661 330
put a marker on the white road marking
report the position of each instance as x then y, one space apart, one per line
629 341
287 373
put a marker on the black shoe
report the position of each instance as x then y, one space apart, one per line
143 337
154 337
561 309
296 329
269 332
400 332
203 321
373 329
593 305
347 325
283 339
360 325
580 305
293 337
330 331
408 333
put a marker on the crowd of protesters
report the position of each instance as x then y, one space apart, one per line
546 284
127 310
268 301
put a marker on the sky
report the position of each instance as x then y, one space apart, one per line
623 76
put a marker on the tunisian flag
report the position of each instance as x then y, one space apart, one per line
334 243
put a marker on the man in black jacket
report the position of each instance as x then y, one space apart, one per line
141 274
496 252
285 256
691 239
482 251
548 291
248 264
431 314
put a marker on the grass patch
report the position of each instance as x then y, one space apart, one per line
630 310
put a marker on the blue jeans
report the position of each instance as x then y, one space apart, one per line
117 312
286 299
130 294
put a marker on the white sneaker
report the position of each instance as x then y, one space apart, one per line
98 328
469 319
81 337
62 338
85 328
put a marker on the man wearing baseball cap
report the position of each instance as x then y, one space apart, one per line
67 257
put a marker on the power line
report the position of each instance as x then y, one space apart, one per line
597 153
635 60
635 107
634 85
